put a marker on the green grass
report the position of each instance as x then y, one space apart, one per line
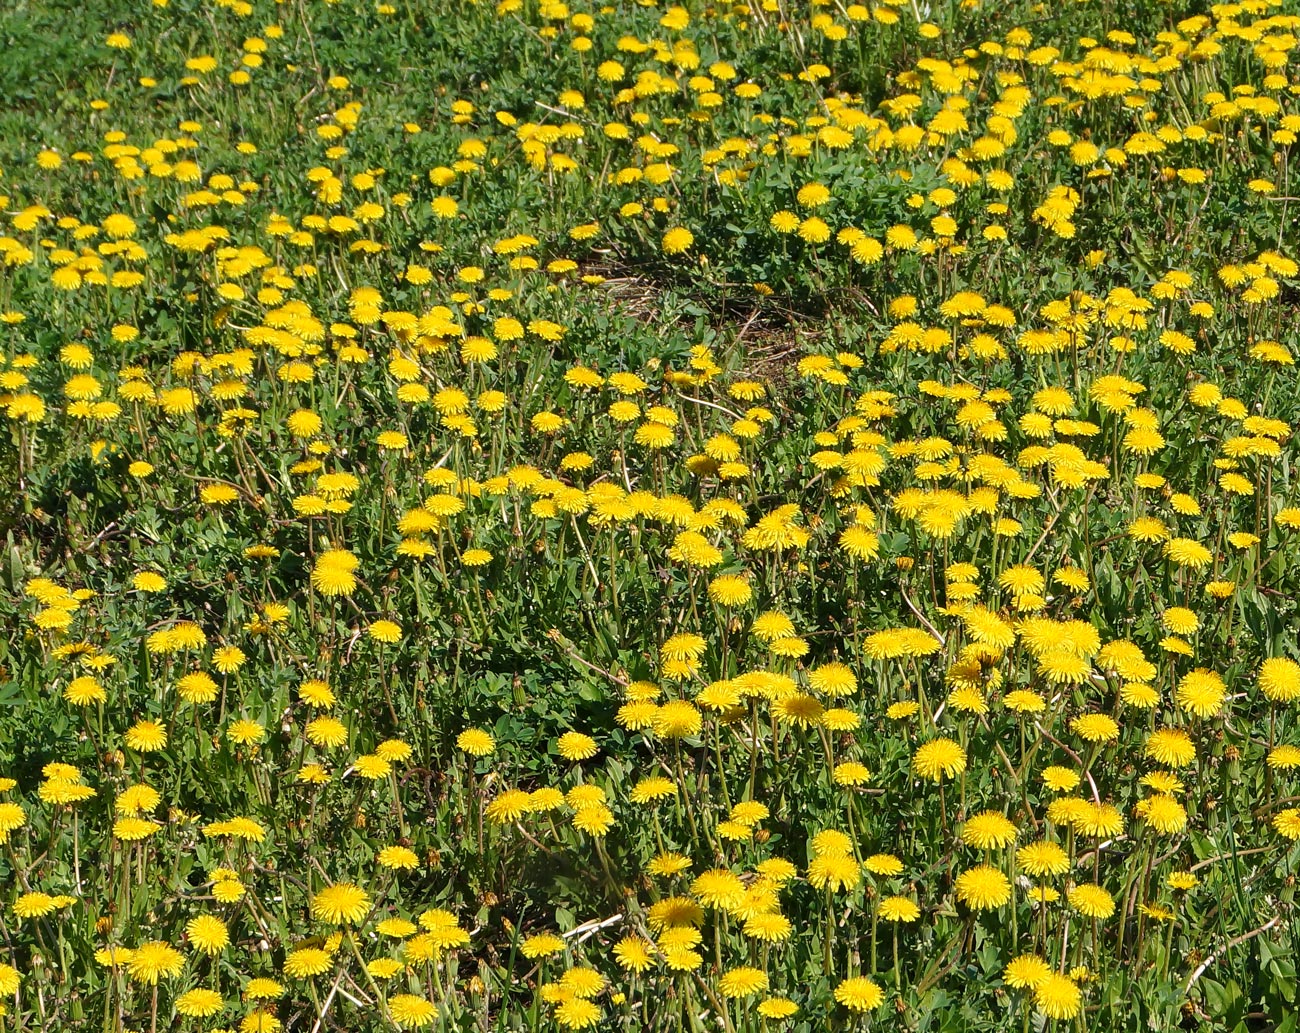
641 567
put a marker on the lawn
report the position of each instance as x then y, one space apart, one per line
706 517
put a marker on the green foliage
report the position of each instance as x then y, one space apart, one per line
458 491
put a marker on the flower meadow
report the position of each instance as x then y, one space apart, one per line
686 517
